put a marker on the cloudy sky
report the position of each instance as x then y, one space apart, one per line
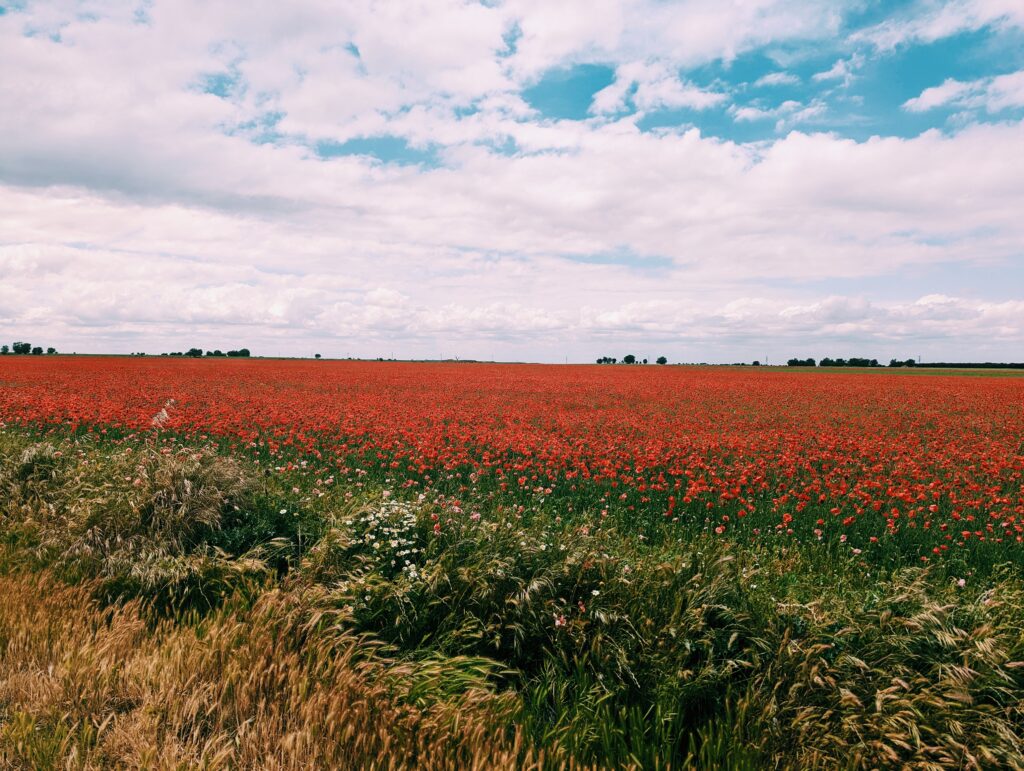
708 180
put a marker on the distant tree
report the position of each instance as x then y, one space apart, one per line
860 362
827 362
241 352
756 363
662 360
194 352
51 351
37 351
645 361
629 359
22 348
317 356
4 350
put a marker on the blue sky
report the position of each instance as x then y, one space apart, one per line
515 179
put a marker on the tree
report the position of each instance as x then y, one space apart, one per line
194 352
4 350
756 363
37 351
662 360
645 361
629 359
23 348
317 356
51 351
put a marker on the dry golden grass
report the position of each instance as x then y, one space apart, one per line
274 687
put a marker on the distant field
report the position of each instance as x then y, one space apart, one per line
523 566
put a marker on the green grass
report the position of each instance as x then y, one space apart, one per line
595 647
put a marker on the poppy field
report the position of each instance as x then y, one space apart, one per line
926 466
294 563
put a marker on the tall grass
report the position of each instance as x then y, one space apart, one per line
177 609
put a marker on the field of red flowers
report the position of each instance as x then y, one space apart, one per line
866 460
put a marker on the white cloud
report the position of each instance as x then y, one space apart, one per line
786 115
994 94
843 70
650 86
929 20
682 33
499 248
937 96
777 79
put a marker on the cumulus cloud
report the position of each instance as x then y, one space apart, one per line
843 70
926 21
683 33
651 86
163 180
995 94
786 115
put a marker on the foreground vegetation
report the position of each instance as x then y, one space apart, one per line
176 607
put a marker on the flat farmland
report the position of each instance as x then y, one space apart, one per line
521 565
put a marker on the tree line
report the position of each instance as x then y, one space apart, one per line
851 362
25 349
829 362
856 362
629 359
196 353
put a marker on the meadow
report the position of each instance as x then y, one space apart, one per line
292 564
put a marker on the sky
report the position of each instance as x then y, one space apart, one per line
515 180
